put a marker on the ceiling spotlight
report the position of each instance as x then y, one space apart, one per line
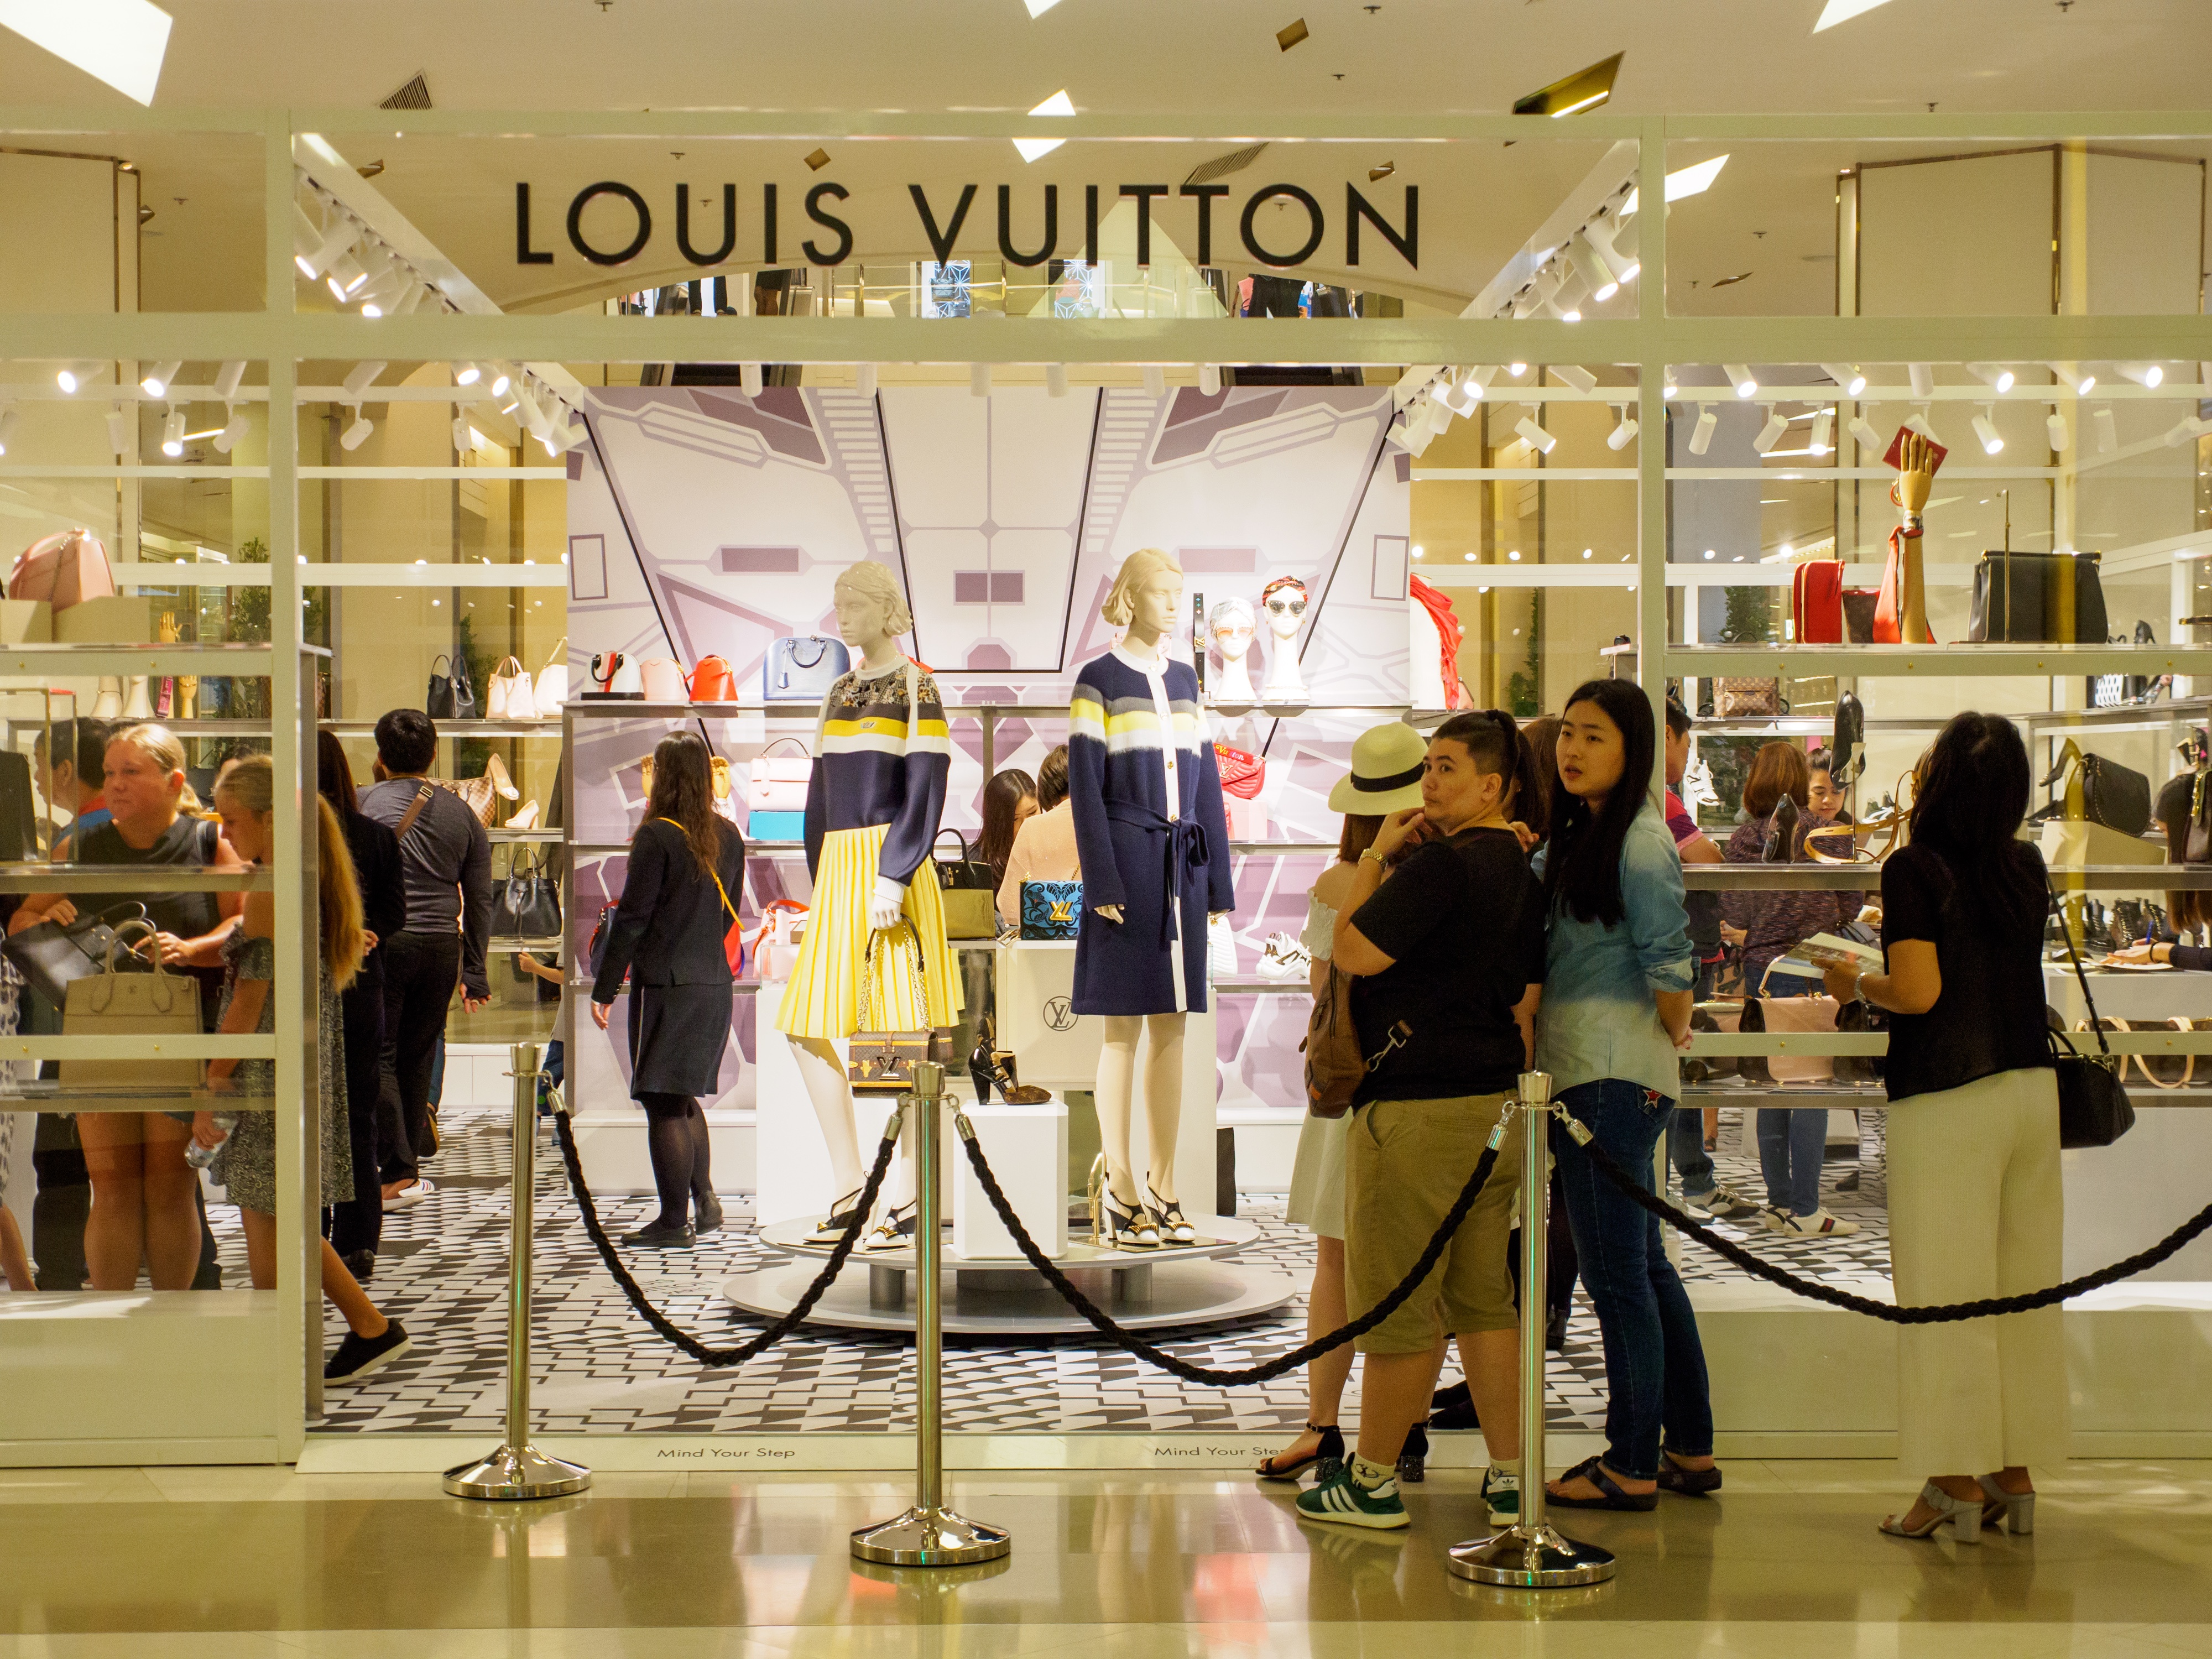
1918 421
1056 379
1741 377
306 237
501 378
1701 435
979 379
1619 437
156 384
1824 426
1771 434
2184 430
467 373
332 248
2146 375
1592 266
172 433
2080 381
1516 370
1209 379
1440 413
749 378
363 377
1620 267
383 289
1575 375
561 437
234 428
226 378
2108 429
864 378
356 433
1459 393
1847 376
346 277
1539 440
1924 380
531 416
462 442
1156 380
1863 429
1986 430
1567 301
2054 428
1996 376
70 376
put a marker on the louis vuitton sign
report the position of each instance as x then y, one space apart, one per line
824 235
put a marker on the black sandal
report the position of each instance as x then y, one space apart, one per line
1331 1450
1689 1483
1613 1496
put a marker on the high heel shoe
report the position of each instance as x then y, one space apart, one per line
831 1227
988 1066
1112 1226
2014 1511
1964 1514
1167 1217
495 769
895 1231
1324 1457
525 817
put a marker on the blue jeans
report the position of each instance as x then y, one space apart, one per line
1791 1140
1654 1365
1685 1150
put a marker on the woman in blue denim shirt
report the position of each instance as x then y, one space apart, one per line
1617 997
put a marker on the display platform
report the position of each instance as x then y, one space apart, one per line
1187 1284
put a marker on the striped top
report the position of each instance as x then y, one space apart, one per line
1137 734
876 765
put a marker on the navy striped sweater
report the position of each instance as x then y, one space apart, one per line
880 763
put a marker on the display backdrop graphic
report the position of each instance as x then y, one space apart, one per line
702 520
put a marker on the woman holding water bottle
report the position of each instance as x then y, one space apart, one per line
242 1151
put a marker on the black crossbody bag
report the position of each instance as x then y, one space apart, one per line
2094 1108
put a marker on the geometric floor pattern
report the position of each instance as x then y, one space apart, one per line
596 1367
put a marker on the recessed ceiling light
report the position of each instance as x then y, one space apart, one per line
121 42
1842 11
1058 104
1031 149
1038 8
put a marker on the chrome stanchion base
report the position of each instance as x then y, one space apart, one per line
509 1474
931 1538
1542 1560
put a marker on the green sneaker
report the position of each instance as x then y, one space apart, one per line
1342 1500
1501 1491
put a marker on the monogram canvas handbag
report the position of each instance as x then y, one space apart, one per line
893 1034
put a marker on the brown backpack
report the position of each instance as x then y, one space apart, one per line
1335 1064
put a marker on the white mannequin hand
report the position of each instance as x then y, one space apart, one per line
886 903
1111 912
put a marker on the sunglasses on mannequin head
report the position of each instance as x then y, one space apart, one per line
1291 603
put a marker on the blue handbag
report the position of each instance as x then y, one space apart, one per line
1049 909
803 669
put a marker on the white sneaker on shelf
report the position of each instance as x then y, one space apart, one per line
1819 1224
1285 958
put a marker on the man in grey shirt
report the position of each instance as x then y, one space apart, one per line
445 858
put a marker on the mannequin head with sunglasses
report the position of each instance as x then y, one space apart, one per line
1283 600
1233 627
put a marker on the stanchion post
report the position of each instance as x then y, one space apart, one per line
517 1470
928 1534
1532 1555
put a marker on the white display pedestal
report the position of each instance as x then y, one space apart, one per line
1027 1149
1054 1047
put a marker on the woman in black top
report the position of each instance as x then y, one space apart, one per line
1976 1208
357 1221
678 902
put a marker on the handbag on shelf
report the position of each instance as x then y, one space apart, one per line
478 794
1738 699
2094 1108
116 1002
776 941
527 904
63 570
802 668
712 680
1816 602
893 1035
2039 599
510 696
450 696
1050 909
552 683
2102 791
614 674
662 681
965 892
1241 775
1859 604
52 956
777 783
1764 1013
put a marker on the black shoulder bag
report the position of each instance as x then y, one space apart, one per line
2094 1109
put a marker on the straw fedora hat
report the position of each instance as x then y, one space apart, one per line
1386 772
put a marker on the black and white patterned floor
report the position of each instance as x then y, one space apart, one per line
597 1368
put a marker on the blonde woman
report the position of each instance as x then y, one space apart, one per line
246 1162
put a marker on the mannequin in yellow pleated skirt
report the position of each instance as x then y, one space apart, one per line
829 982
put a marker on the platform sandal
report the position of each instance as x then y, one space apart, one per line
1326 1458
988 1066
1688 1482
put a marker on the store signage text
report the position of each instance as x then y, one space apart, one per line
828 239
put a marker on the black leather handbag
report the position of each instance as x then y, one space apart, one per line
528 902
2113 795
2094 1108
449 695
2039 599
50 956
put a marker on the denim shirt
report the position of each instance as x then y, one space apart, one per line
1598 1017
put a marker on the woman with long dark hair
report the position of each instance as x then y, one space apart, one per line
679 901
1617 999
1010 798
1976 1205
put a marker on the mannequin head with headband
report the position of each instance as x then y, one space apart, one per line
1146 596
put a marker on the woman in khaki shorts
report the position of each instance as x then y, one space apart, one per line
1449 958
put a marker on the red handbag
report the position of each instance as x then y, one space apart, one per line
1816 602
712 681
1241 775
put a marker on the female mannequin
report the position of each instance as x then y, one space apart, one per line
1155 854
1231 626
1284 601
877 791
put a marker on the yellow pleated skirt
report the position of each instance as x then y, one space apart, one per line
823 997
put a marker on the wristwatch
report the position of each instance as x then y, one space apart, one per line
1370 853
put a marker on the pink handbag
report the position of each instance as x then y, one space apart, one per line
663 681
777 783
63 570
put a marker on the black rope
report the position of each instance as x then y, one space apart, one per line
1947 1313
1153 1355
660 1321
